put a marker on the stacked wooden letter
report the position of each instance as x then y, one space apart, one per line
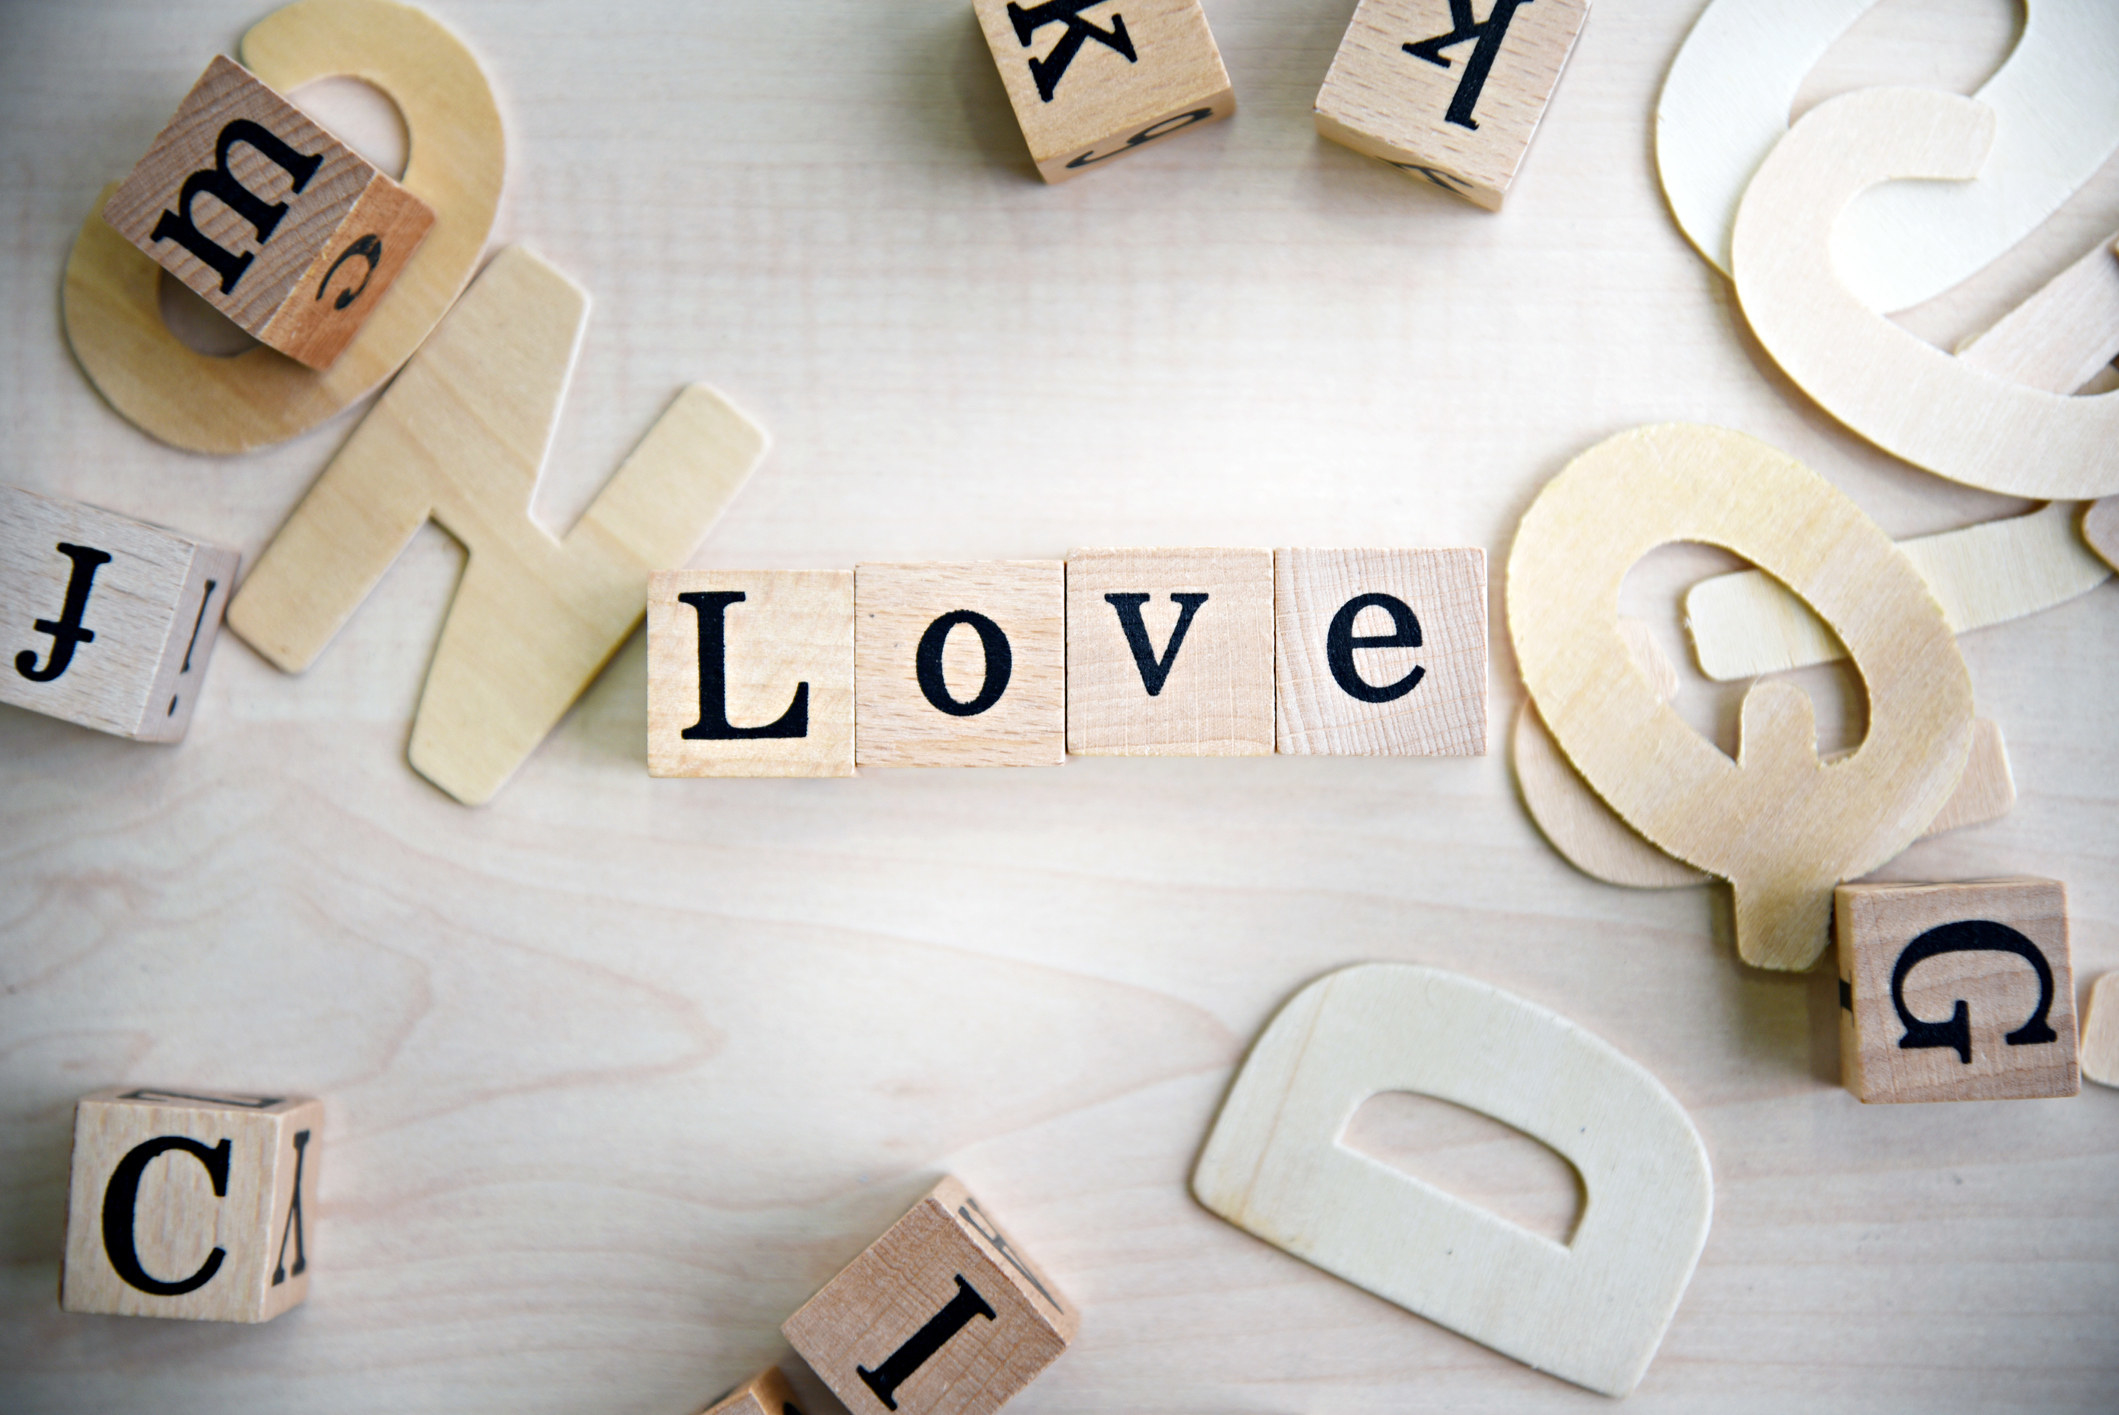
1181 652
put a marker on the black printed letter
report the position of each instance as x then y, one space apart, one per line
1488 33
1000 663
1341 641
66 630
713 724
123 1194
280 1269
264 218
1969 936
1154 672
1048 71
885 1379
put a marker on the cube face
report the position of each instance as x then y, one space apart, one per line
1091 80
750 673
190 1205
1381 652
1170 653
280 226
766 1393
942 1315
1450 101
1956 991
961 664
108 622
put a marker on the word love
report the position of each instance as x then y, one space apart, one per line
1168 652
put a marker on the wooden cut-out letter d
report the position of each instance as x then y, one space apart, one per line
1593 1310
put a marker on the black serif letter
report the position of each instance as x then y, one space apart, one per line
1048 71
713 724
1462 29
1154 672
66 630
122 1195
1000 663
280 1270
1970 936
1340 641
955 1315
220 184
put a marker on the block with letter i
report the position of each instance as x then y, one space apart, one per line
1445 96
280 226
1091 80
190 1204
750 673
942 1315
1380 652
1170 653
766 1393
1956 992
106 621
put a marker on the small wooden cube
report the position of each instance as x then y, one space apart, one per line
279 225
1381 652
1443 96
766 1393
190 1204
942 1315
750 673
961 664
1170 653
1955 992
1096 79
108 622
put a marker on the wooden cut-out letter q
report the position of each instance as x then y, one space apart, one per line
1592 1310
1783 827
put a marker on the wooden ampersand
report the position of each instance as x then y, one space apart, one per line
461 438
1592 1310
1881 380
457 160
1780 825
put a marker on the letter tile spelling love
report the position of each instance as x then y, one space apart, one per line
1781 826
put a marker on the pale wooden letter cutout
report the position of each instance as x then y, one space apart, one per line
1726 100
1781 826
2100 527
461 437
2100 1032
1592 1310
1901 393
456 160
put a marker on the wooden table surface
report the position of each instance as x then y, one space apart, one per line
618 1071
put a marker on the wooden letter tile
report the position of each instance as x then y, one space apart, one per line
280 226
942 1315
962 665
1438 95
106 621
1094 79
1170 653
1955 992
1381 652
188 1204
766 1393
750 673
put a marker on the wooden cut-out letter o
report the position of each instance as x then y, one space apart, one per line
1593 1310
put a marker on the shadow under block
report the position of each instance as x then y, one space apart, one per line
1438 95
750 673
108 622
1096 80
1170 653
766 1393
190 1205
961 664
1380 652
1955 992
279 225
942 1315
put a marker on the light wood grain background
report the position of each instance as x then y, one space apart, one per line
619 1071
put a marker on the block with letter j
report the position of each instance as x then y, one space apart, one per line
942 1315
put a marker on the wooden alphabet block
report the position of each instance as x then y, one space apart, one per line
279 225
189 1204
1444 97
750 673
1170 653
110 621
961 665
1955 992
1381 652
766 1393
942 1315
1091 80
